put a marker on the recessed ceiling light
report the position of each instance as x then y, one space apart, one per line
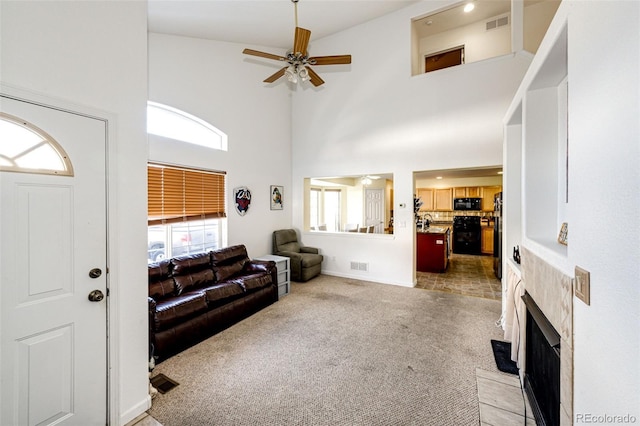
438 177
469 7
500 172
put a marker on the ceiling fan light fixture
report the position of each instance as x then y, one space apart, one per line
298 58
303 74
291 74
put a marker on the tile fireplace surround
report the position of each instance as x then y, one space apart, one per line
553 292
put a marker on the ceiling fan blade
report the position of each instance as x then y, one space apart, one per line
275 76
301 41
263 54
314 78
330 60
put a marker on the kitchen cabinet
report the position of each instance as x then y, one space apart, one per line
426 195
442 199
488 193
467 192
486 237
432 251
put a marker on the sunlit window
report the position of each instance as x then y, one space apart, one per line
26 148
168 122
186 211
324 209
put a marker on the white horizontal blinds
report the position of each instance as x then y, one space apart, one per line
178 194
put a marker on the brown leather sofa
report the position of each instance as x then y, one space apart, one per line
192 297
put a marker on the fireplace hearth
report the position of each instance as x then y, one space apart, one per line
542 365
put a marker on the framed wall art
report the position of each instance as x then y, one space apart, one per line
276 195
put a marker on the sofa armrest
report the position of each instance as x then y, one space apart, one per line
290 254
267 266
260 265
309 250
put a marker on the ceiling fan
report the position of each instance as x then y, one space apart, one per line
298 59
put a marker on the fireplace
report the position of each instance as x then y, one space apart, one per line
542 365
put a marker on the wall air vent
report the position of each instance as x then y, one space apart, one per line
497 23
359 266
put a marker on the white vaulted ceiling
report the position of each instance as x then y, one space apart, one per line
263 22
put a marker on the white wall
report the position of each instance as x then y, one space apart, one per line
93 54
216 82
373 117
604 148
603 200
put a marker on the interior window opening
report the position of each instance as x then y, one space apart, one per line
484 27
28 149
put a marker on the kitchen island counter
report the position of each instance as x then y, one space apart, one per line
432 249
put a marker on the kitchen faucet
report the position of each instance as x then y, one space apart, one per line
424 220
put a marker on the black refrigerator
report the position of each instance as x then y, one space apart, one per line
497 235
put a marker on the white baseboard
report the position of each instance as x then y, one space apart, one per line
135 411
366 278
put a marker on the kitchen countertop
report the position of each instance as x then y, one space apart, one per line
432 230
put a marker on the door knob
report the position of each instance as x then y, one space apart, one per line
96 296
95 273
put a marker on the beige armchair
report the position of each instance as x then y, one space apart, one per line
305 262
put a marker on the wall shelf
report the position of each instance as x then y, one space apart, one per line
535 155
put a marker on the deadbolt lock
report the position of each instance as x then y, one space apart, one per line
95 273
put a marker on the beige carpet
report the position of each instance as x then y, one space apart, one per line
339 352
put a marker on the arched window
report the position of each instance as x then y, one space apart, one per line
163 120
28 149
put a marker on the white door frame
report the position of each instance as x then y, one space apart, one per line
112 332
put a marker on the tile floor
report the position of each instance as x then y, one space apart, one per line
502 402
467 274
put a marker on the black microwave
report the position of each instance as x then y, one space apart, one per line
467 203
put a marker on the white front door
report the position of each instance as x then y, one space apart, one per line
53 348
374 209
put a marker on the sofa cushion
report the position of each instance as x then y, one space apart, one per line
161 283
192 271
177 309
221 293
253 281
229 261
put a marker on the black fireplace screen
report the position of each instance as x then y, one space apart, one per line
542 370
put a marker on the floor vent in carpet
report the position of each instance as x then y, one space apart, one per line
163 383
502 355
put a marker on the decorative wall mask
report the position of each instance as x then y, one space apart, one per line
242 199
